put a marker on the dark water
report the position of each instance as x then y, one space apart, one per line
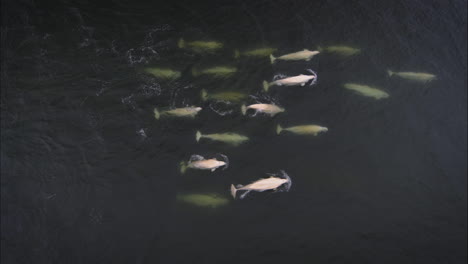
88 175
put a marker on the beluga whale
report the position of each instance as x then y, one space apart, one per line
366 90
216 71
190 111
413 76
272 183
230 96
295 56
269 109
342 50
260 52
200 46
303 129
292 81
163 73
210 200
198 162
229 138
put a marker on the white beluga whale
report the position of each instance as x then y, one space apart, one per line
295 56
269 109
265 184
292 81
200 163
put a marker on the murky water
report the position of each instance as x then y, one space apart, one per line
89 176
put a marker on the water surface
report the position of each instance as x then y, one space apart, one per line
89 176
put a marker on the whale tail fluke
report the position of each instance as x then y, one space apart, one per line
236 54
204 95
195 72
183 167
181 43
314 80
266 86
278 129
226 160
198 135
157 115
243 109
287 184
272 59
233 191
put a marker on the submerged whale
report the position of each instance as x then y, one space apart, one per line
163 73
260 52
190 111
216 72
231 96
303 130
212 200
366 90
200 46
341 50
413 76
229 138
